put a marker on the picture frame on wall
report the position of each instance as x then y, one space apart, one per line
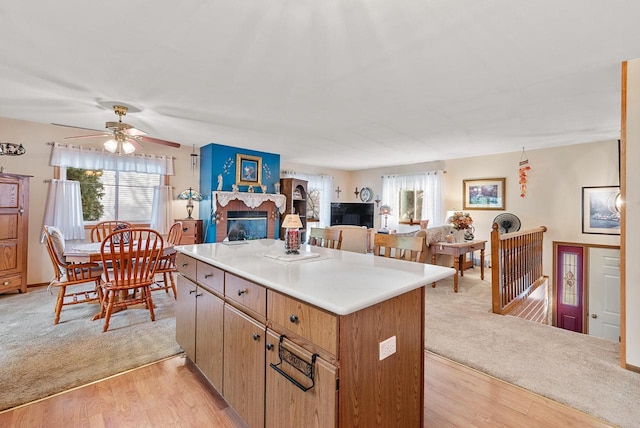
483 194
599 213
248 170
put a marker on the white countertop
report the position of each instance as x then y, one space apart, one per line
341 282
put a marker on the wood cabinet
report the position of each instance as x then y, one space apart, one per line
287 363
296 192
199 318
191 231
14 231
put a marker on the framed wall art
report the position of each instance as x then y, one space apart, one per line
483 194
248 170
599 211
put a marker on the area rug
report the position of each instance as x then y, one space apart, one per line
38 358
575 369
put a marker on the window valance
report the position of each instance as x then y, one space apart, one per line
63 155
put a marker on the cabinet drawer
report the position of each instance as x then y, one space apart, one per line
316 326
476 247
210 277
246 293
10 283
186 265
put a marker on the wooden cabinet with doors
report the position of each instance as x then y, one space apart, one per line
296 192
191 231
14 230
199 316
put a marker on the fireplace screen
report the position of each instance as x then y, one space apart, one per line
246 225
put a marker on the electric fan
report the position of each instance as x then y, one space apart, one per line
507 223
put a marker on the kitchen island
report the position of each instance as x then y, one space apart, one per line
325 338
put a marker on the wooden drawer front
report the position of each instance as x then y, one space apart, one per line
210 277
246 293
186 265
315 325
10 283
476 247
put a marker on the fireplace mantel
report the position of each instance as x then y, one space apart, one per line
251 200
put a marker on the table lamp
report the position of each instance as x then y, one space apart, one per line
292 224
190 195
385 210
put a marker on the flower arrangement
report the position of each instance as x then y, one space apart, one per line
460 220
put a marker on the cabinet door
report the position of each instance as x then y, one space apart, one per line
209 330
314 408
243 382
186 316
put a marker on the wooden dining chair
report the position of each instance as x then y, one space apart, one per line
100 230
133 262
70 278
167 263
399 247
327 238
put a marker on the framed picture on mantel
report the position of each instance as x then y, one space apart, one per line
483 194
248 170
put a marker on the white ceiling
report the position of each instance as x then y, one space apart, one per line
349 84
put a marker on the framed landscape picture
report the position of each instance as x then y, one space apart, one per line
599 211
248 170
483 194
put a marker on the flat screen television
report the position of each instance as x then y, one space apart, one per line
352 213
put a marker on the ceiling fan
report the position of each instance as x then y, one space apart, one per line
125 138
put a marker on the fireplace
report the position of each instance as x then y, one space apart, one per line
246 225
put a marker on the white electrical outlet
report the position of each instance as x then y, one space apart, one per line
387 347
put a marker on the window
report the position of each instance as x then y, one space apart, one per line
410 206
115 195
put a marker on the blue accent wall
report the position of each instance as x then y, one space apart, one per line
216 159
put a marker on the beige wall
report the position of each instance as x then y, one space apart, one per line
632 202
35 162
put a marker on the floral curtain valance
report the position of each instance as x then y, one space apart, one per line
81 157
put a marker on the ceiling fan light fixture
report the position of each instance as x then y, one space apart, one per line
111 145
128 148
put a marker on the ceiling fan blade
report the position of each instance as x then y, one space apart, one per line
77 127
135 143
134 132
88 136
158 141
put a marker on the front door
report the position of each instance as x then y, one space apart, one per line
604 293
569 283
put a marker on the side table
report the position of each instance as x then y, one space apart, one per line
458 251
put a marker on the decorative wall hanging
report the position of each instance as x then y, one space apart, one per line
12 149
599 213
248 170
522 173
483 194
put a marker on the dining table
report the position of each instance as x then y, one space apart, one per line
90 252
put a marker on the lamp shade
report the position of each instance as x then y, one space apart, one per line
385 210
292 221
191 194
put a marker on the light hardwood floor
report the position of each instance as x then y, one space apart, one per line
172 393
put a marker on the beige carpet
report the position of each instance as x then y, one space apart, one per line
38 359
578 370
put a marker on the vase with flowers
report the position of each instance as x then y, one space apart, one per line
462 226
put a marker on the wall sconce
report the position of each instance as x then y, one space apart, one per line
292 224
12 149
190 195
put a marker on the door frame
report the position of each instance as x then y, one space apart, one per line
585 270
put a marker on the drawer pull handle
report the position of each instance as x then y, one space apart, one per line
241 292
298 363
256 336
208 275
293 318
269 346
192 291
184 229
198 295
6 283
185 264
